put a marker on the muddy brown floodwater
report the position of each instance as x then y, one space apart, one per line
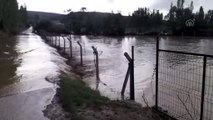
25 63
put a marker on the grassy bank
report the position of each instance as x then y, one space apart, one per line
75 95
84 103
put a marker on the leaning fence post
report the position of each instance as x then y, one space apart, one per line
203 88
81 53
131 70
125 82
156 76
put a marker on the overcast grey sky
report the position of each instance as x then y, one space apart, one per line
125 6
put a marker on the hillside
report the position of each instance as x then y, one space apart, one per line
35 15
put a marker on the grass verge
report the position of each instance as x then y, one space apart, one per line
75 95
84 103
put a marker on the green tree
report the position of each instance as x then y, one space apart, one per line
177 17
209 17
11 18
146 21
113 25
8 15
201 14
23 16
180 4
191 7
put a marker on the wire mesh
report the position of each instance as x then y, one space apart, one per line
180 85
208 100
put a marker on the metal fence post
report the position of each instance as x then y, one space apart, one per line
51 41
55 41
203 88
70 47
64 45
132 81
81 53
156 76
48 40
130 72
97 62
59 42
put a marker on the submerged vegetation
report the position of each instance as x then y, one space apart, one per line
12 17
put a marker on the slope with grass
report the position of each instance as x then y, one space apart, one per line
83 103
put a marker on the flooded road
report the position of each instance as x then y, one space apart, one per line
25 65
113 64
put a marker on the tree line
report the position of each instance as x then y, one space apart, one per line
142 21
178 16
12 17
